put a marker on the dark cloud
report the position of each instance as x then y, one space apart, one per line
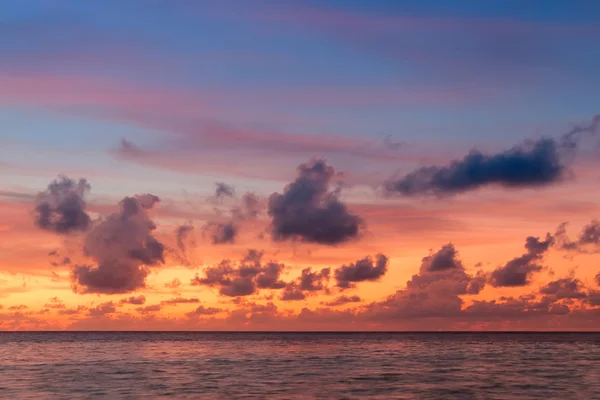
139 300
510 308
308 211
102 309
58 260
146 201
532 164
215 275
309 282
226 232
593 298
435 291
249 207
524 166
341 300
110 277
477 283
224 190
314 281
201 310
18 308
244 279
180 300
269 277
183 234
565 288
292 293
123 247
598 279
519 270
61 262
516 272
241 286
360 271
73 311
445 259
149 309
588 240
537 247
591 233
61 207
221 233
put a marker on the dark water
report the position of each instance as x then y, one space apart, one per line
299 366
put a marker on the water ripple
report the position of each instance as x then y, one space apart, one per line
299 366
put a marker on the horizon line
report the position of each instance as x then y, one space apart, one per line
303 332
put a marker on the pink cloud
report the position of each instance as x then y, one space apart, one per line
189 137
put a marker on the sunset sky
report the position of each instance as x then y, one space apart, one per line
299 165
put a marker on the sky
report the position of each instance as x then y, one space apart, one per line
299 165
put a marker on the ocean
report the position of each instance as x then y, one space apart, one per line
179 365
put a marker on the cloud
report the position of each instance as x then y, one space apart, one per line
174 284
221 233
249 208
269 277
243 279
565 288
102 309
55 303
588 240
524 166
598 279
201 310
590 233
73 311
61 262
307 210
522 308
149 309
123 247
180 300
227 232
292 293
314 281
341 300
360 271
182 234
61 207
224 190
139 300
18 308
532 164
308 282
434 292
519 270
444 259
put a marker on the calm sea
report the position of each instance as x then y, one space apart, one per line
300 365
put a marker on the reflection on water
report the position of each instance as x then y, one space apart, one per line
299 366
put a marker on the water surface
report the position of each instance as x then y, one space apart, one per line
115 365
